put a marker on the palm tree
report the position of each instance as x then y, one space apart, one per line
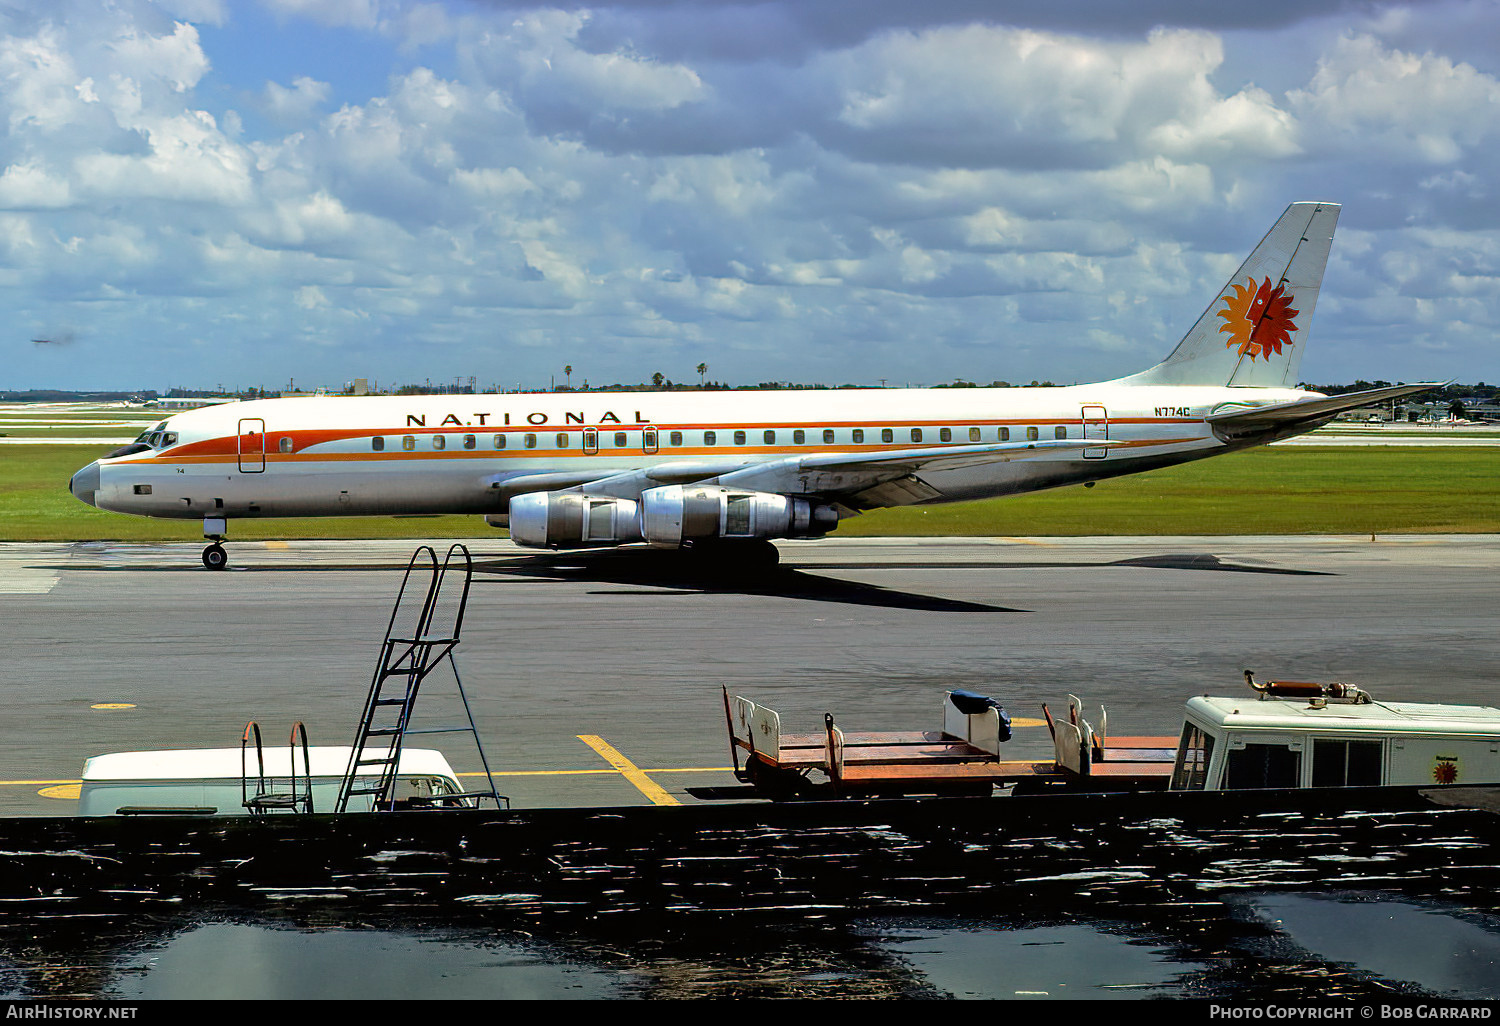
568 370
702 370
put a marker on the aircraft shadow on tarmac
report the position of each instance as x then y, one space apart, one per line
668 573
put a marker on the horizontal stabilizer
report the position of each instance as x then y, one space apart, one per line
1235 421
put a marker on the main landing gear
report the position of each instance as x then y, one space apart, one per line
214 556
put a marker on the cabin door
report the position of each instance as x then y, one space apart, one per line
252 445
1095 428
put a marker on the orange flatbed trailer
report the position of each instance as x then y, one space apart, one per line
961 759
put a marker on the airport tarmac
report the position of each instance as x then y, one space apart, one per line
118 647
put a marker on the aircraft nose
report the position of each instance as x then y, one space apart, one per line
85 483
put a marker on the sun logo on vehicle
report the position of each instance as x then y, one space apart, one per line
1444 771
1258 320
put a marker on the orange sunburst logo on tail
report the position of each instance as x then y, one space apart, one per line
1258 320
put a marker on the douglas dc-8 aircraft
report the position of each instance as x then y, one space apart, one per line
727 471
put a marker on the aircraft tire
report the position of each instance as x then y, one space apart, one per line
214 557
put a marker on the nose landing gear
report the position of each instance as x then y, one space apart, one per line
214 556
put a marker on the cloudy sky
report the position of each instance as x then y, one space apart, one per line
205 192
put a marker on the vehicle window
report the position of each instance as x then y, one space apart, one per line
1347 763
710 438
1005 434
154 439
828 436
562 439
739 438
1193 752
377 444
916 434
945 435
438 441
499 441
770 437
799 437
1262 766
468 441
859 435
887 435
1059 432
170 438
409 442
620 439
530 441
973 434
1032 434
675 438
286 445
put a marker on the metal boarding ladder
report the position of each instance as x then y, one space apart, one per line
266 797
419 640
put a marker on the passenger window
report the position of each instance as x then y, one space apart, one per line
562 439
530 440
710 438
142 489
887 435
770 437
799 437
377 444
1005 434
916 434
499 441
409 442
973 434
1032 434
739 438
619 439
1059 432
468 441
859 436
828 436
675 438
438 441
945 435
286 445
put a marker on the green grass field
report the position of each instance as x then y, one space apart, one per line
1294 490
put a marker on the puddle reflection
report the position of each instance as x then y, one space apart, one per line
1443 950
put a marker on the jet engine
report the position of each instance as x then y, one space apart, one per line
549 520
682 514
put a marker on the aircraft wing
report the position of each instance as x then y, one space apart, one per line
1234 422
886 478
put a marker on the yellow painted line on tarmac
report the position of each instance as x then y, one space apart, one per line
628 770
1031 541
276 545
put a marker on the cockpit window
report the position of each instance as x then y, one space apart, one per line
157 436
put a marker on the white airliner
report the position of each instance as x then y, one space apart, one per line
727 471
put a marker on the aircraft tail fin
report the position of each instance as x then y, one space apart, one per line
1254 331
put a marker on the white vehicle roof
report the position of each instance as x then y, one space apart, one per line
1298 714
224 764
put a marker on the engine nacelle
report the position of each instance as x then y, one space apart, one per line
547 520
678 514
